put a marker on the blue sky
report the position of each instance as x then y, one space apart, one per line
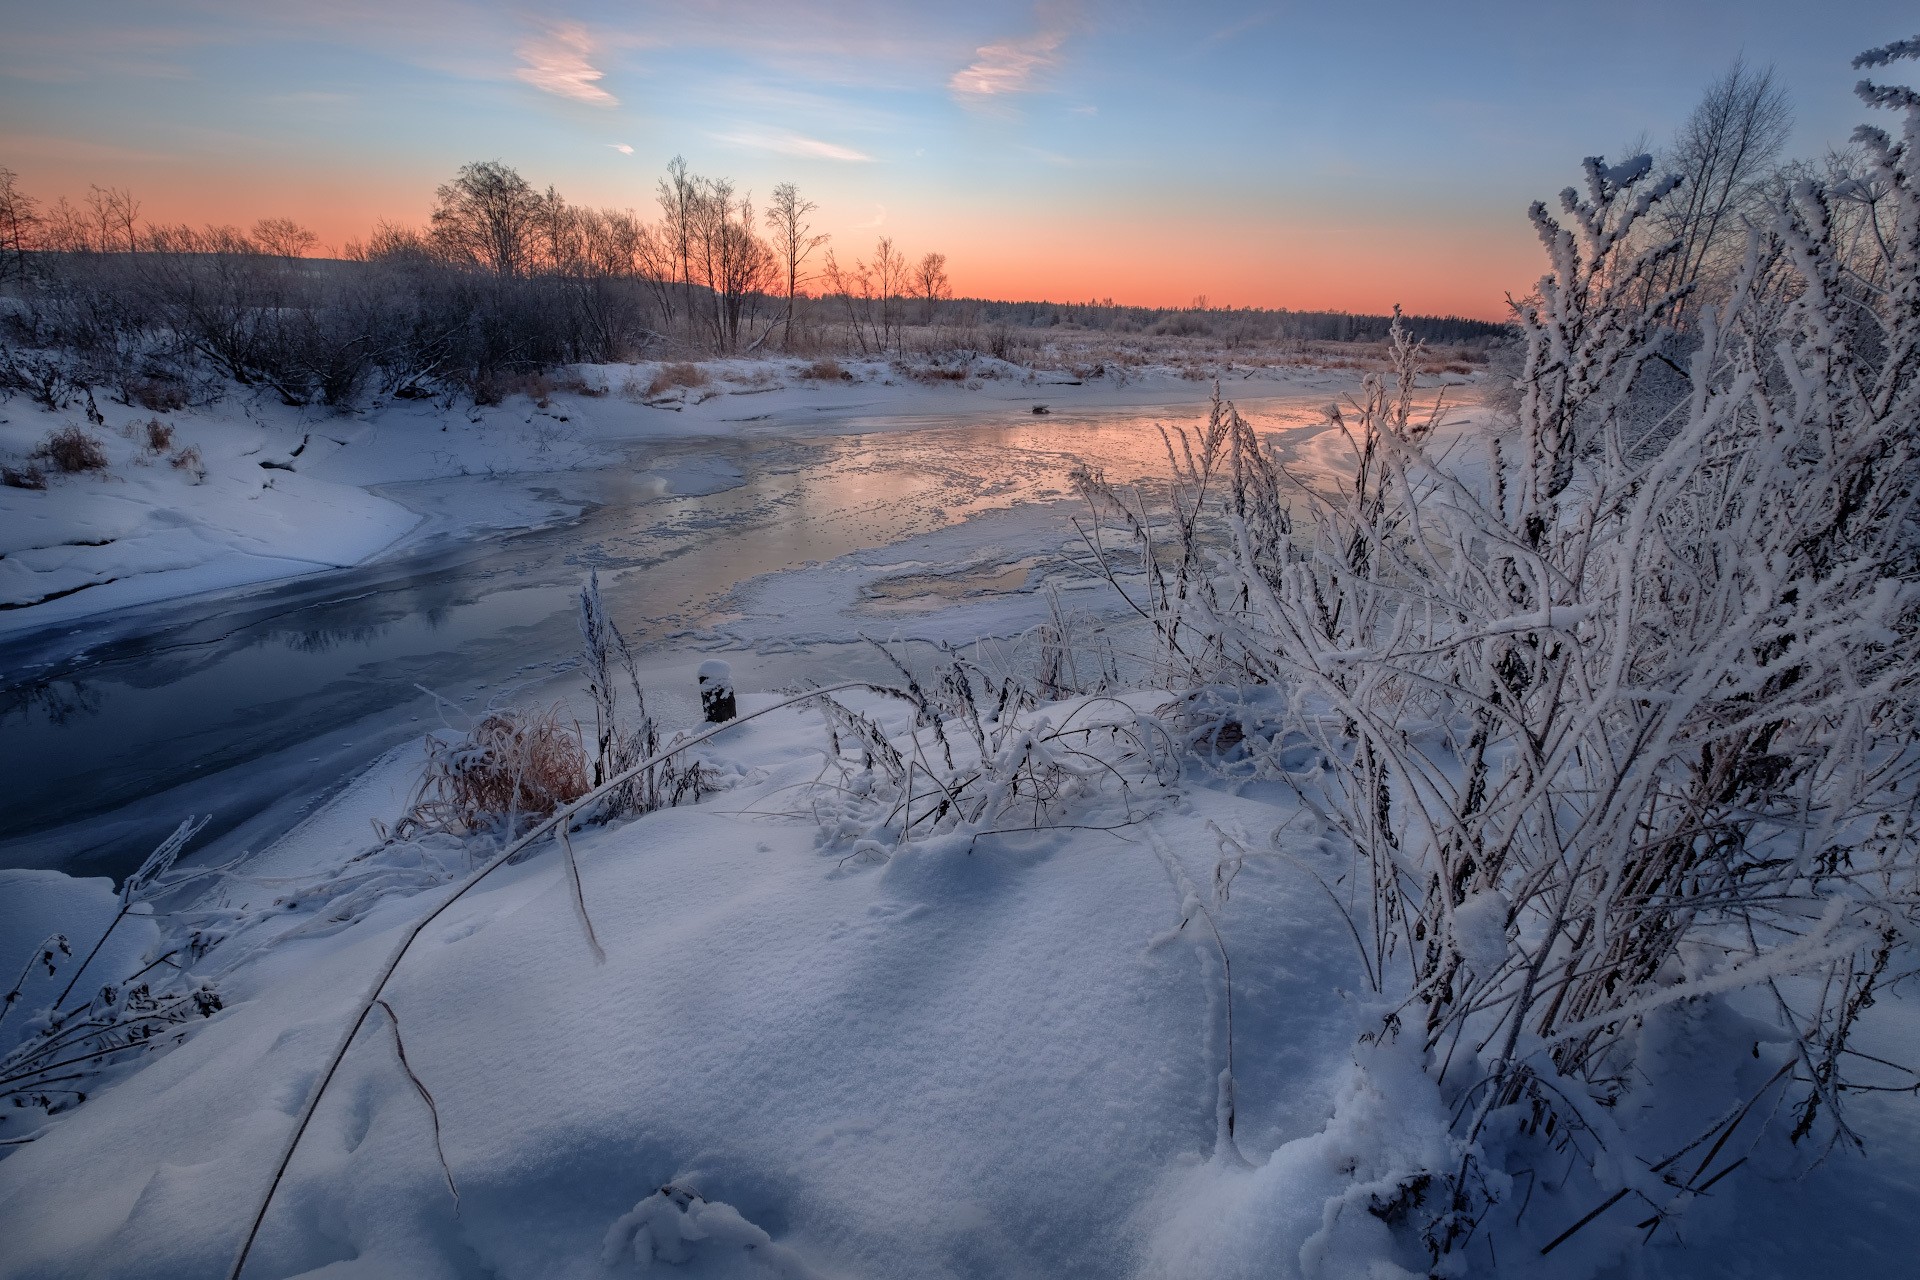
1277 154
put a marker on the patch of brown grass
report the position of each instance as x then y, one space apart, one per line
496 388
679 374
159 435
826 370
157 394
934 374
511 764
72 450
27 477
570 381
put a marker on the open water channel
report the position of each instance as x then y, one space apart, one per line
253 705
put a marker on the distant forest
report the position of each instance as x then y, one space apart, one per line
505 280
1239 323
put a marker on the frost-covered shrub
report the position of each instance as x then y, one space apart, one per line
983 757
58 1035
188 460
159 394
1617 721
622 741
510 765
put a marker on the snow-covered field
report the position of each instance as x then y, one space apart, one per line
978 1064
1001 1057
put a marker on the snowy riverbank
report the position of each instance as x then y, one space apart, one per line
249 490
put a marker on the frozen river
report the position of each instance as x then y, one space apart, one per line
252 705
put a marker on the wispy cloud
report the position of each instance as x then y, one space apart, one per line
1007 68
1251 22
621 147
556 62
879 217
794 144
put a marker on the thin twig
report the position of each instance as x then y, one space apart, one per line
400 1051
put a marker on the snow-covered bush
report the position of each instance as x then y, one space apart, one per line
1618 721
57 1036
983 757
510 765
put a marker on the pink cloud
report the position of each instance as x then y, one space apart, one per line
794 144
1009 67
557 63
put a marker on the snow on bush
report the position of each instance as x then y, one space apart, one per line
1616 723
57 1036
980 759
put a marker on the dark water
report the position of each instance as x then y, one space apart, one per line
252 704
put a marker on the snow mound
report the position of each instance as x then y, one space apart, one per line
703 1238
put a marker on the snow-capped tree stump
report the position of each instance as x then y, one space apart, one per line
716 691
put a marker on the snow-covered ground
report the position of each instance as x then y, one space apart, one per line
954 1064
248 490
802 1055
946 1057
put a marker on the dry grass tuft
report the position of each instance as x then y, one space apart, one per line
27 477
72 450
510 765
572 382
497 388
679 374
158 394
159 435
826 370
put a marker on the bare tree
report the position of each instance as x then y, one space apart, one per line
19 218
64 228
487 216
854 288
734 264
1725 156
930 282
559 236
679 194
113 215
283 237
890 284
656 261
793 242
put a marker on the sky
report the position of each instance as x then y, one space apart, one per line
1345 155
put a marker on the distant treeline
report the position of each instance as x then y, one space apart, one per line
1237 323
503 281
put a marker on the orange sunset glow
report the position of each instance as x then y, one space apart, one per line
1050 153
